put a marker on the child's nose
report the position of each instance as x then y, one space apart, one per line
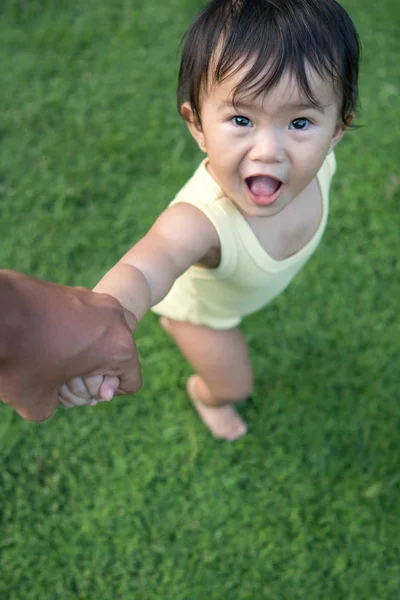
267 147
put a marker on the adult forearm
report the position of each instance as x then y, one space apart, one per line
14 311
129 286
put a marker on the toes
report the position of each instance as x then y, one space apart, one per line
237 432
223 422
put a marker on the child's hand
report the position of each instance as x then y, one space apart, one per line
88 391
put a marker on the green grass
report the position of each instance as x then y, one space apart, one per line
135 500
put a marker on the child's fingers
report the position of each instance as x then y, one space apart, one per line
77 387
108 387
67 404
88 391
68 396
64 402
93 384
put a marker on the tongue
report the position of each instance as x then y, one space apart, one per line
261 185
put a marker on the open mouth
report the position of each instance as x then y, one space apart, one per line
263 190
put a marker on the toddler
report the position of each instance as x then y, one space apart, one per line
267 89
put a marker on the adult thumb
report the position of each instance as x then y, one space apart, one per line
130 319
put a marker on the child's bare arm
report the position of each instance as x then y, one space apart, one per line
181 237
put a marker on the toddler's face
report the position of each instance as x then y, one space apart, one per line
266 150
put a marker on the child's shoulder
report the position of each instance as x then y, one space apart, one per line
200 190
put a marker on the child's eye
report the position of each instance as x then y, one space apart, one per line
242 121
299 124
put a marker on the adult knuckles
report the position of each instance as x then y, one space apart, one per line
122 344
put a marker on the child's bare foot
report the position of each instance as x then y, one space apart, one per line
223 421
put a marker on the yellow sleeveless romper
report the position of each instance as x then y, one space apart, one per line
247 278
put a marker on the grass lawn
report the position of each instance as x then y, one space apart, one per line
135 500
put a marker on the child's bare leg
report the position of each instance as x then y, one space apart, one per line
223 374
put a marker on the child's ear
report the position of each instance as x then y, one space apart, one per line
339 131
194 125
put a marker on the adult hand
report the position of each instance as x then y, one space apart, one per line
51 333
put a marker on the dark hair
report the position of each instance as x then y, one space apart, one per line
283 34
